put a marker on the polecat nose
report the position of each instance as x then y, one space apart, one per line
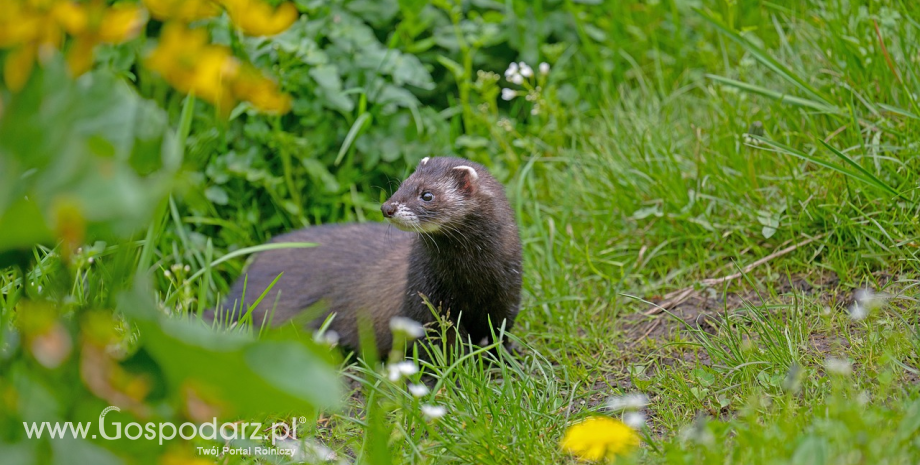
388 209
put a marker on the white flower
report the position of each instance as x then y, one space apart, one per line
511 71
857 311
329 338
433 412
407 326
526 71
864 301
838 366
91 260
635 420
508 94
393 373
627 402
517 79
401 369
544 68
307 451
187 268
418 390
167 273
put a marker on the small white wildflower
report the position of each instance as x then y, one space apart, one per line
868 299
511 71
39 289
167 273
838 366
401 369
393 373
418 390
544 68
635 420
517 79
634 401
187 268
329 338
526 71
698 432
508 94
407 326
407 368
90 260
535 110
858 312
433 412
306 451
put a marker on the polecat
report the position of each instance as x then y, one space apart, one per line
456 242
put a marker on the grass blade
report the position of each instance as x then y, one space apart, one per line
869 176
351 136
763 57
786 98
860 175
899 111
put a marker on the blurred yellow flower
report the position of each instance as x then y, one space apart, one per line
18 23
72 17
182 10
262 93
190 64
257 18
120 23
33 28
18 66
598 438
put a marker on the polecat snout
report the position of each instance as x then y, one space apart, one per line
456 242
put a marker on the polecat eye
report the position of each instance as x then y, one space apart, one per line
427 196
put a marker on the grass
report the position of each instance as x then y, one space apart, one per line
658 184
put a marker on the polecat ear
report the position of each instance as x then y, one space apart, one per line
466 178
424 161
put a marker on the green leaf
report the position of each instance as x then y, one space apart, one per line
235 372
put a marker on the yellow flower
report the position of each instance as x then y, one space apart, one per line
186 60
121 22
72 17
599 437
34 28
18 66
18 24
182 10
257 18
190 64
261 92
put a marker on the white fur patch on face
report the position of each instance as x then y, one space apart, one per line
406 220
473 174
425 160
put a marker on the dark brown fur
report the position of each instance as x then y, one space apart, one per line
470 264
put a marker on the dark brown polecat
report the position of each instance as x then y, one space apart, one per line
456 242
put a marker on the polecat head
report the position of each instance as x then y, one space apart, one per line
441 192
